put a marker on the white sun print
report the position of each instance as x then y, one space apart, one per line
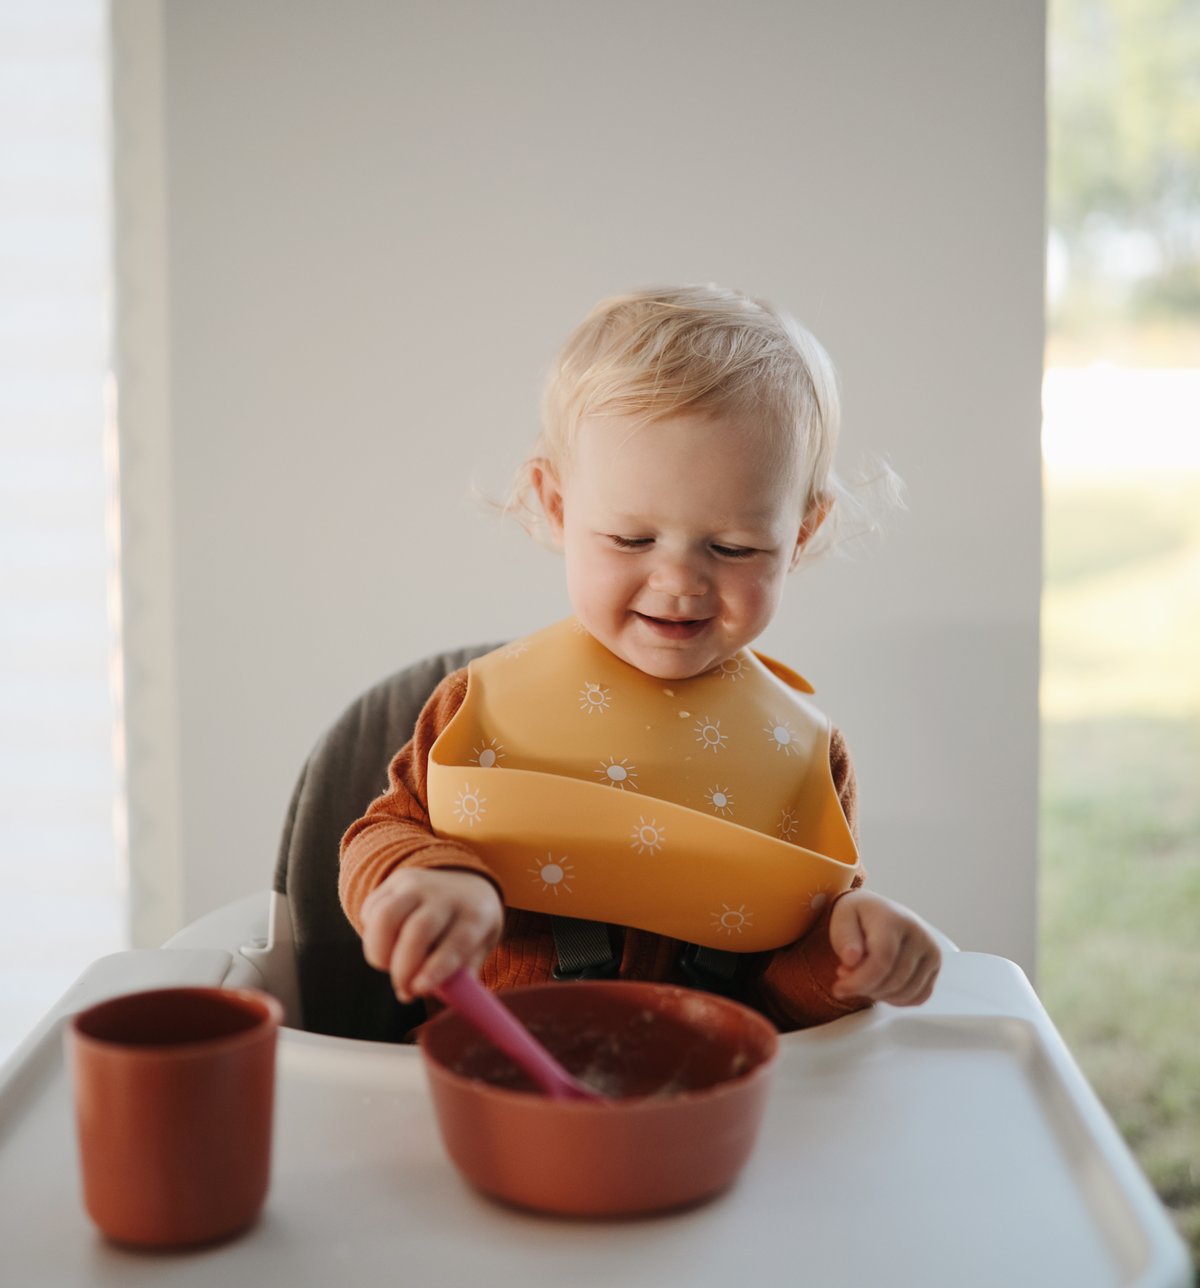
488 754
732 921
783 737
720 799
819 898
518 648
594 697
554 875
578 627
469 805
648 837
733 668
618 773
709 735
789 824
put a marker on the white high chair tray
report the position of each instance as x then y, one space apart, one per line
952 1144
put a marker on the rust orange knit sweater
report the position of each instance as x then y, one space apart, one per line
791 985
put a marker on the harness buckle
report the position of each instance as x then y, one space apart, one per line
584 949
712 970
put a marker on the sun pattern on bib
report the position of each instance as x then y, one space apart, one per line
554 875
648 837
783 737
709 735
593 698
820 897
469 805
733 668
720 799
618 773
488 754
732 921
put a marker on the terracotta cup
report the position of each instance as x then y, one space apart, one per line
174 1097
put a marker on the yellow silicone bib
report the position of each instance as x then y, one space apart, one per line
702 809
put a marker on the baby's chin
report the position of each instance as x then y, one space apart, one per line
657 656
664 663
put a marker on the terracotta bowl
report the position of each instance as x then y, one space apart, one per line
688 1074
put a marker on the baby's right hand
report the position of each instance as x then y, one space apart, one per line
421 924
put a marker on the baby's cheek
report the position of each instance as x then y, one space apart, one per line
598 591
760 593
607 581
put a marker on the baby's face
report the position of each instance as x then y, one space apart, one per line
677 535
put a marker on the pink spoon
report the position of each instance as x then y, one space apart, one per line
485 1012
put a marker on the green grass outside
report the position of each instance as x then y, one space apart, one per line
1119 967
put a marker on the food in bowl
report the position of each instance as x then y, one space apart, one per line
686 1075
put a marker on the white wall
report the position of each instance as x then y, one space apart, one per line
382 218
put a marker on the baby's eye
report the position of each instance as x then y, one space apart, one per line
630 543
733 552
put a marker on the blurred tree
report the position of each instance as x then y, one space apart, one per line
1124 136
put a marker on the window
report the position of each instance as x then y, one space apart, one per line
63 901
1120 881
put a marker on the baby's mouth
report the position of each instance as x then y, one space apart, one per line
674 628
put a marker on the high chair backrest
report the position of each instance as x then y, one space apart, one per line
339 993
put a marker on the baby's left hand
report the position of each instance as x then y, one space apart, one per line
885 954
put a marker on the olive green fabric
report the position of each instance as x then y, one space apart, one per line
339 993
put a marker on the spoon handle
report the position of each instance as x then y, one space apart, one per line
495 1021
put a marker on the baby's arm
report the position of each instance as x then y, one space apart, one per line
423 905
864 949
815 979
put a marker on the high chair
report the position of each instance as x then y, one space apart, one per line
972 1100
969 1106
296 942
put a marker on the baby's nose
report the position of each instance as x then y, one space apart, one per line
678 576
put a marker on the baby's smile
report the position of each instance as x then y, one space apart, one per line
674 628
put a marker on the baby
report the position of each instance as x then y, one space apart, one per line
638 773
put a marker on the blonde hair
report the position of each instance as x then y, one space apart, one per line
695 349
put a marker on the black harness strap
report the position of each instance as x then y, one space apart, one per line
584 949
715 970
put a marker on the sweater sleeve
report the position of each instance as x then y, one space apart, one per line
794 988
395 829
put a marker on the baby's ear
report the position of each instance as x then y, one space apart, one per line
549 494
818 512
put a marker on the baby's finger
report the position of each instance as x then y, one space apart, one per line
418 937
874 972
464 943
857 984
920 984
919 995
384 914
909 968
846 936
